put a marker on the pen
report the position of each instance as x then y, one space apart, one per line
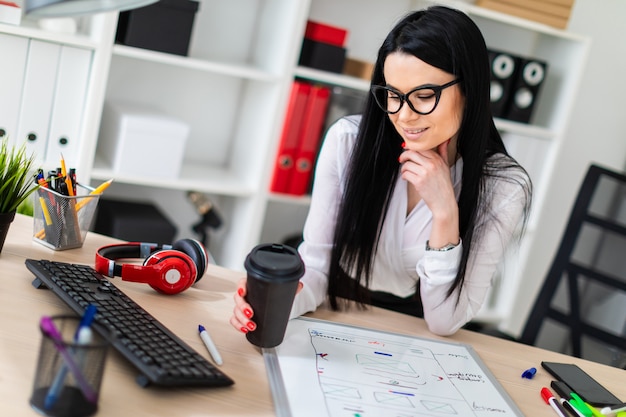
82 336
48 327
547 396
204 335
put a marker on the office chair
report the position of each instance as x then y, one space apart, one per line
588 275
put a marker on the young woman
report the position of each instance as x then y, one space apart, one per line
416 200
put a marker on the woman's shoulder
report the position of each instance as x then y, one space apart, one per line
342 133
507 176
347 125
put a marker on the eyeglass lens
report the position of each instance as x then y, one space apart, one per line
422 100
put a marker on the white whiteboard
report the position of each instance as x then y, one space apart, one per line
330 369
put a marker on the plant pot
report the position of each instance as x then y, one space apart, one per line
5 222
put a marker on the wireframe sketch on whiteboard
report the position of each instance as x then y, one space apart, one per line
339 370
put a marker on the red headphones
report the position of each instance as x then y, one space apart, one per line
169 269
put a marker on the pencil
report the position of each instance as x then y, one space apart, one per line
98 190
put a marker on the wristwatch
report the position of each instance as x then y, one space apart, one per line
446 248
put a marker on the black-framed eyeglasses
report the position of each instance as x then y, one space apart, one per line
422 100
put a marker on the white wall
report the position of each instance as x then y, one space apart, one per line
597 133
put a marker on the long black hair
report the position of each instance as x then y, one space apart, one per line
449 40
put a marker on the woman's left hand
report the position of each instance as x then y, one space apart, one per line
429 173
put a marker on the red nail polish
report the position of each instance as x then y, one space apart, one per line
403 145
247 312
240 291
244 330
251 325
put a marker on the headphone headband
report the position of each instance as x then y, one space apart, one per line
106 255
168 269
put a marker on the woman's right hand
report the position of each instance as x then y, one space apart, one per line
242 313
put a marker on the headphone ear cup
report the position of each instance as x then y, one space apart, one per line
174 271
196 252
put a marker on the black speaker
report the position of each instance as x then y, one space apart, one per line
503 72
530 77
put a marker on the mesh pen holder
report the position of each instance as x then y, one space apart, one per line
62 222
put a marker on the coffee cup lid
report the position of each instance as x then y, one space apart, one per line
275 260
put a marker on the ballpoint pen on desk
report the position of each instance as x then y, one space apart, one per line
208 342
48 327
547 396
82 336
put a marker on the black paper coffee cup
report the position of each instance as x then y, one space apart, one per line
273 274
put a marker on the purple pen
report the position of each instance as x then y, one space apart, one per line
48 327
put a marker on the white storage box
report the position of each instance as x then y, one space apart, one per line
139 141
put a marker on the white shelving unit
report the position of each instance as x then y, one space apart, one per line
232 90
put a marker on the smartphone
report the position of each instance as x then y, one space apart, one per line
581 383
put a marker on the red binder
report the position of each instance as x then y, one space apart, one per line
310 137
287 148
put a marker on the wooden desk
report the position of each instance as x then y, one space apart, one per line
210 303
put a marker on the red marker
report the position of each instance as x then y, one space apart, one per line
552 402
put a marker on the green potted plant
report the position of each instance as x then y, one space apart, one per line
16 183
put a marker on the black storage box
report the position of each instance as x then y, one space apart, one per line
133 221
164 26
322 56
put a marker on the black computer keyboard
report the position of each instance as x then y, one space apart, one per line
161 357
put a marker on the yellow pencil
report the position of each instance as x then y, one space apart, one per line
98 190
46 213
66 178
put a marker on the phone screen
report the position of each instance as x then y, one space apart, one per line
581 383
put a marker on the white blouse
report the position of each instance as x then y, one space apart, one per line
401 260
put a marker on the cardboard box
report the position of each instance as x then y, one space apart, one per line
141 142
164 26
554 13
358 68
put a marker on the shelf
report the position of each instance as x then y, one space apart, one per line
332 78
299 200
247 72
524 129
511 20
196 177
29 29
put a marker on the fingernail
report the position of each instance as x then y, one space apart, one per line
244 330
240 291
403 145
251 325
247 312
